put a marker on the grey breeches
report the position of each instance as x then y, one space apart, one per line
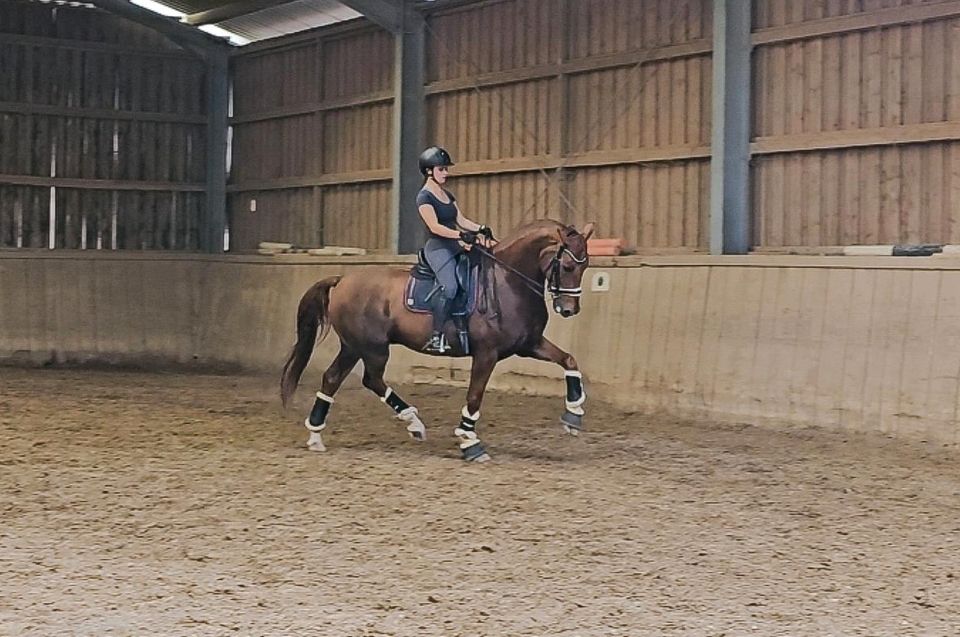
441 254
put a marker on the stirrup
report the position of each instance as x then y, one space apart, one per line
437 344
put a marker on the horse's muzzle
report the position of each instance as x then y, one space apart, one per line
566 311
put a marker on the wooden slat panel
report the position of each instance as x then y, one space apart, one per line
513 113
344 77
885 136
98 184
456 42
23 217
668 91
845 17
357 215
351 141
98 104
871 94
509 48
900 194
650 206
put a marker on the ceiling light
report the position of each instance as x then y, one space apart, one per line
156 7
220 32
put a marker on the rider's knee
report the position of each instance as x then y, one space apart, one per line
449 292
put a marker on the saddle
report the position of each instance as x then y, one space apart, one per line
422 285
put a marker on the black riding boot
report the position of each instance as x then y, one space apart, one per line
441 310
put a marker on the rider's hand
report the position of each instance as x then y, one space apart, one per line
486 232
469 237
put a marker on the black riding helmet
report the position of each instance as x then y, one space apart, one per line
433 157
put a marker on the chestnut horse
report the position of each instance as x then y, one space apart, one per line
368 312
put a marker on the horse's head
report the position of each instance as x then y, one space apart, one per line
564 264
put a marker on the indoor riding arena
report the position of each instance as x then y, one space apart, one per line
756 210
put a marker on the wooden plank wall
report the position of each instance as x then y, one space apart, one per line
600 110
856 122
587 110
102 120
311 141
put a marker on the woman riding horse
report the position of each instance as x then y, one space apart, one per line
442 216
368 311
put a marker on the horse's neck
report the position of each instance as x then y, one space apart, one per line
524 253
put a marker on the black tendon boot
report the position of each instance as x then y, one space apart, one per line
441 308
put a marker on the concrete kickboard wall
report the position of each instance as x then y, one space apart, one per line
865 344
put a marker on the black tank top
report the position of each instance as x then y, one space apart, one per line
446 212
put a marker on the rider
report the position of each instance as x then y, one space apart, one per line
441 214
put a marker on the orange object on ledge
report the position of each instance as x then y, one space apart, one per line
605 247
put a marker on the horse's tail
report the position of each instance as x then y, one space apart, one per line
311 318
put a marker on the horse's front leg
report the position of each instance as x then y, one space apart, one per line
470 446
572 417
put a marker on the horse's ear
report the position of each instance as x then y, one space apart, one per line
587 231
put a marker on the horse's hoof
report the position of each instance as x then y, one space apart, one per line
417 431
572 423
315 443
475 453
415 426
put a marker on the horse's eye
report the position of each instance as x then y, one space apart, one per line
568 268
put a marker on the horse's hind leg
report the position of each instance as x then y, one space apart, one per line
316 422
470 446
374 364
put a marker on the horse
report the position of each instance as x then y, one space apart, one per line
368 311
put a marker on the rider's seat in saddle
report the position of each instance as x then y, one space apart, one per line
423 285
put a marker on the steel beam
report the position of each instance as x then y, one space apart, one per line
406 228
177 31
730 157
385 13
218 92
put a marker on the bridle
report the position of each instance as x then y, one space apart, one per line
553 285
553 279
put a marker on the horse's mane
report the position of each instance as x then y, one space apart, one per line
534 229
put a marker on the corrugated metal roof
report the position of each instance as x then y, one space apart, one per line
194 6
283 18
291 17
277 17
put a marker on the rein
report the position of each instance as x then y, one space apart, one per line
553 283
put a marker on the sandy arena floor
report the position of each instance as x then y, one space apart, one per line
165 504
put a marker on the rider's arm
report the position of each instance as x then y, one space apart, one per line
429 216
465 223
